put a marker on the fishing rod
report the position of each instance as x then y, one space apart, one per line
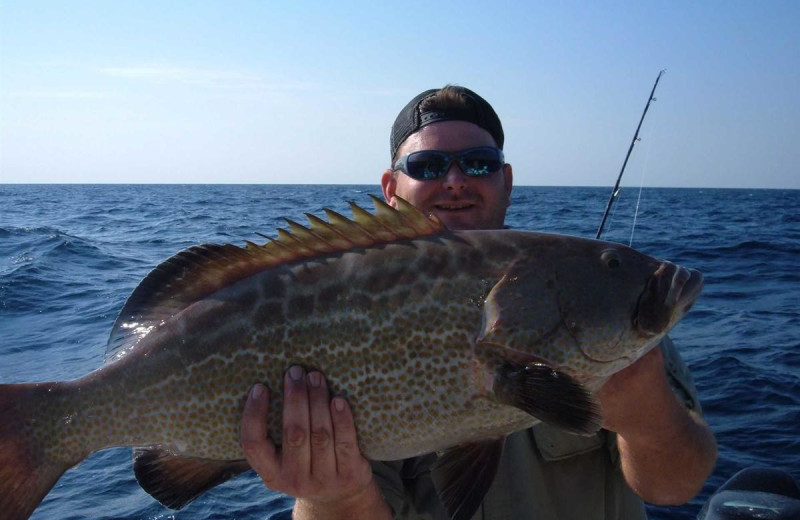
615 191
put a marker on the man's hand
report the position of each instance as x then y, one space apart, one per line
667 451
633 398
319 462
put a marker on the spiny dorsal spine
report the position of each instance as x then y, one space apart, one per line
365 229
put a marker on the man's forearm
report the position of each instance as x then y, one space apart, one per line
669 464
369 504
666 450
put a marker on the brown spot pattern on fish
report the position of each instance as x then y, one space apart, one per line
411 322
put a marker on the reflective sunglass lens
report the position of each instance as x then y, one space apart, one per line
427 165
478 163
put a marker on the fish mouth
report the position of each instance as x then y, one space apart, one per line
669 294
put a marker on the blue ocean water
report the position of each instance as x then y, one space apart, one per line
71 254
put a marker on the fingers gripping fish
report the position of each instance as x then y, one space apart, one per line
443 341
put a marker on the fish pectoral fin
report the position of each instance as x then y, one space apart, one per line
462 475
175 481
549 395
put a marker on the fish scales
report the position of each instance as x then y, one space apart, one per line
406 348
436 340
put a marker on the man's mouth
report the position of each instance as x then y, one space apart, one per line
454 206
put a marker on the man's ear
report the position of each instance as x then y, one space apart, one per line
389 186
508 175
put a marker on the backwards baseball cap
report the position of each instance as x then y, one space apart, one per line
475 110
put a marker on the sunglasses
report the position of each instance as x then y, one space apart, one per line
428 165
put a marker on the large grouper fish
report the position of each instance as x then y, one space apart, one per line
442 341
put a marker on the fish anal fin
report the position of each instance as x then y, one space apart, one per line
175 481
549 395
462 475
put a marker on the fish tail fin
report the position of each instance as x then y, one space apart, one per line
26 472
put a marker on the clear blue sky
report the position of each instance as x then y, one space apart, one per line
305 92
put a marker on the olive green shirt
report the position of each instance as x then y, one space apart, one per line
544 473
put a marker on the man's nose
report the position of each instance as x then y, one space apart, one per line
454 179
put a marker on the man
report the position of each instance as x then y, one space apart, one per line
654 445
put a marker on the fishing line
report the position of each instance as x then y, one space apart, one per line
645 169
636 211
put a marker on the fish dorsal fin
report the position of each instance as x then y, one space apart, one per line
194 273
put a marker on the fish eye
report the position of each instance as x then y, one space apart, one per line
611 259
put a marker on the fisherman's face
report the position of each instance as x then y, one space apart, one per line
461 202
